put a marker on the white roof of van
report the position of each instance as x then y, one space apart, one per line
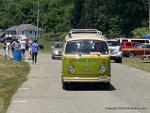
86 36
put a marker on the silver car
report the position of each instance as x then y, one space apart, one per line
57 49
116 53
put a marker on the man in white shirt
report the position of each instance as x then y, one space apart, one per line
23 48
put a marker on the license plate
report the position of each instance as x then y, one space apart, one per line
104 78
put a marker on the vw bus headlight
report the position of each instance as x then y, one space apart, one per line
71 68
103 69
56 52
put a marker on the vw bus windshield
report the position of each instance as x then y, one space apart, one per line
86 47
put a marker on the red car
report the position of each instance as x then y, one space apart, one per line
140 49
128 44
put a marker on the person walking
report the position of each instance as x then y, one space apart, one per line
15 44
7 51
34 50
5 47
23 48
11 42
29 49
16 51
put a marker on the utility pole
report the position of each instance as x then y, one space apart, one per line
37 24
149 12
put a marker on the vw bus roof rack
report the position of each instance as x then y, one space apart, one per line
80 31
84 31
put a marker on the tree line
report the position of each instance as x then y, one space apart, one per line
114 18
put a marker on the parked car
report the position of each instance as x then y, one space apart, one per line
115 51
139 40
57 49
139 49
120 40
2 40
128 44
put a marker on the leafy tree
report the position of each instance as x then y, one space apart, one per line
141 32
114 18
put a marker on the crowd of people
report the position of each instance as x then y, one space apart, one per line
22 45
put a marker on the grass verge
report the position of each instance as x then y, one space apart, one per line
46 44
49 38
11 77
138 63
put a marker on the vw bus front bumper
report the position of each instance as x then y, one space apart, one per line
103 79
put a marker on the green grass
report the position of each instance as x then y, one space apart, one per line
46 44
11 77
138 63
49 38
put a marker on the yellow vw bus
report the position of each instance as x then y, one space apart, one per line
86 57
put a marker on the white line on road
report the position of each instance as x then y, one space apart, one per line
20 101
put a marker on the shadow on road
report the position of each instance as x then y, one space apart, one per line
113 62
90 87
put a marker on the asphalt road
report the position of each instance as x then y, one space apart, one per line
43 93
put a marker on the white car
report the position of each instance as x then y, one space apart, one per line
116 53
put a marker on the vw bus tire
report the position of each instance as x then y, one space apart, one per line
107 85
118 60
64 85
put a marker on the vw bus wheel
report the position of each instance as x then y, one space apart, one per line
107 85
